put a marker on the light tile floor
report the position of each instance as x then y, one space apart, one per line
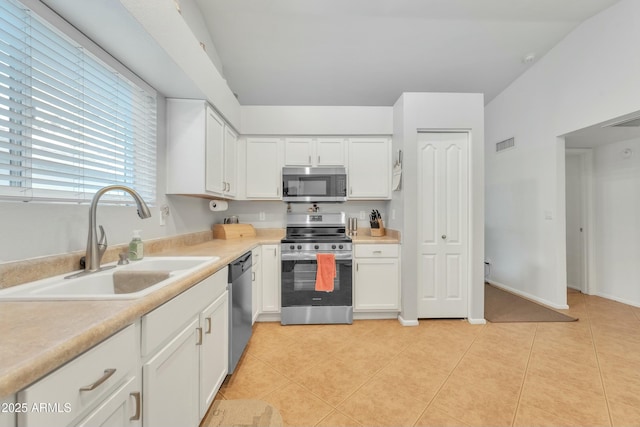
450 373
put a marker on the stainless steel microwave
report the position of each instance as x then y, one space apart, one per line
300 184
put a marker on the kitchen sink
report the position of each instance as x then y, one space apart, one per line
134 280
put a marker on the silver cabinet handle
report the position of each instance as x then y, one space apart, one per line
318 159
377 252
208 321
277 191
228 186
444 236
199 336
350 190
99 381
253 276
136 396
309 159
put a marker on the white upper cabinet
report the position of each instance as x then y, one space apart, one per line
307 151
230 163
298 151
264 168
331 152
369 171
214 152
201 150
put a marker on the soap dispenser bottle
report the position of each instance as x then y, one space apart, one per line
136 250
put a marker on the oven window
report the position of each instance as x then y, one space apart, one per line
304 277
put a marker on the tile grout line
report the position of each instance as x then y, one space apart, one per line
524 377
595 351
447 379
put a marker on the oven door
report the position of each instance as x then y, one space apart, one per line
299 282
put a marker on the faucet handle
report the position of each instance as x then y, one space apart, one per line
124 258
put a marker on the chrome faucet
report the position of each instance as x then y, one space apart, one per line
95 248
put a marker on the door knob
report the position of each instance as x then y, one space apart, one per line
444 236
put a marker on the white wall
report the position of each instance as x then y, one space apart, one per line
316 120
438 111
587 78
617 221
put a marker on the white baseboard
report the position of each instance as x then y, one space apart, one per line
373 315
405 322
476 321
622 300
528 296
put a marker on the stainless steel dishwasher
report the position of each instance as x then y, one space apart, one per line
240 304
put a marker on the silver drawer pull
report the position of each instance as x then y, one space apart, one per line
136 396
106 376
208 320
377 252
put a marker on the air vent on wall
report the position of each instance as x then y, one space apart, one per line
505 145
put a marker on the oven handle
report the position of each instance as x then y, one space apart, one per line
312 257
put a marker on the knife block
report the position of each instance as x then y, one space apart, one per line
378 232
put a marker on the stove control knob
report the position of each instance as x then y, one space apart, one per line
292 247
333 246
340 246
316 247
299 246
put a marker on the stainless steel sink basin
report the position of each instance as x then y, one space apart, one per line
135 280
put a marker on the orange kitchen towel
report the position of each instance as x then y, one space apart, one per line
325 272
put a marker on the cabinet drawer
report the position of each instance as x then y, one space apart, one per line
81 383
166 320
376 251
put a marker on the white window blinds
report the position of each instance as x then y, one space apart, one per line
69 124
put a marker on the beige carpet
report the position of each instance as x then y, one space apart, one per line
502 307
242 413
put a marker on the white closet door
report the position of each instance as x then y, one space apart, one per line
443 189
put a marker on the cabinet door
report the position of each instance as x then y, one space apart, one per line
256 284
171 382
264 168
376 284
214 150
230 162
369 168
298 152
271 279
122 408
214 352
330 152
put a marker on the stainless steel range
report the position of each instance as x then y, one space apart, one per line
307 236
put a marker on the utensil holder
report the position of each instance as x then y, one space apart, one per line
378 232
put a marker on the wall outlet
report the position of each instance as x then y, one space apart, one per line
262 216
362 215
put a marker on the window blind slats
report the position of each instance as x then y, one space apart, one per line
69 124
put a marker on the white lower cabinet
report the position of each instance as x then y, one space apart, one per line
171 381
102 384
270 279
122 408
185 349
214 362
256 282
376 277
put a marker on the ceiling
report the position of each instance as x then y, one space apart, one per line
367 52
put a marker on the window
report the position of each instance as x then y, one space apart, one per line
69 123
